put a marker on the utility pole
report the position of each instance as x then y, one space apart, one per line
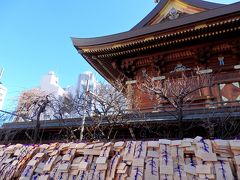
84 110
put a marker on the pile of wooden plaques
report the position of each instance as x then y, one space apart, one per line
132 160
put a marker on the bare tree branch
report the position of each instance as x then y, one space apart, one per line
176 92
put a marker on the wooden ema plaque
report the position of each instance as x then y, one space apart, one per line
166 161
190 166
140 150
152 168
129 151
105 151
223 170
137 173
50 162
112 167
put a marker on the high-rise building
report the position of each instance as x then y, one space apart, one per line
3 90
86 82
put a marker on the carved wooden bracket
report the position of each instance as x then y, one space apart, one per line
236 50
128 68
202 55
159 64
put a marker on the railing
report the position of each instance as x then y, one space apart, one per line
137 115
190 106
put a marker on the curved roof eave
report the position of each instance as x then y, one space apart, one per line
224 10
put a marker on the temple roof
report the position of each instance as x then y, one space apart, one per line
170 22
207 10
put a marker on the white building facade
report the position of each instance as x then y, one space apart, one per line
3 93
3 90
50 85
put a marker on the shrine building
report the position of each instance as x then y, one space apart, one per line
177 35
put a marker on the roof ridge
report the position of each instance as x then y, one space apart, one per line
197 3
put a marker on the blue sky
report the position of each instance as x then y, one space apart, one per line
35 36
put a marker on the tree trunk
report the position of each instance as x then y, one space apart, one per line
41 110
109 133
132 133
211 129
180 122
36 132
